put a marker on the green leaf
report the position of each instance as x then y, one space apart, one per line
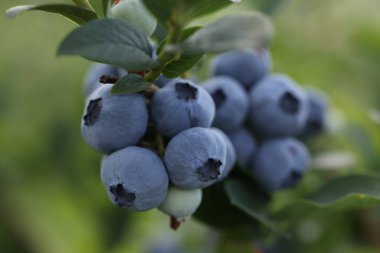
130 83
176 68
251 30
115 42
251 201
227 216
74 13
358 187
186 61
184 9
345 193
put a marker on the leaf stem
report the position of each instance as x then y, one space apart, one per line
168 53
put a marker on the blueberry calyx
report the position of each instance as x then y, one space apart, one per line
93 112
186 91
289 103
219 97
293 178
210 170
122 196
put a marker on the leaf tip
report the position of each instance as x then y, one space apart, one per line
14 11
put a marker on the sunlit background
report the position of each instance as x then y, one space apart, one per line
51 197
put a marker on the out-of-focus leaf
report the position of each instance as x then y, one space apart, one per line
251 201
76 14
345 193
217 211
231 32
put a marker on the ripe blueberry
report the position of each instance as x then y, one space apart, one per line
244 144
135 178
247 66
195 158
280 163
278 106
231 102
180 105
112 122
316 118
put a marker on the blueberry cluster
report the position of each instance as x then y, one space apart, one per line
261 113
161 150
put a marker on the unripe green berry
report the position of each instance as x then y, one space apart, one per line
135 12
181 203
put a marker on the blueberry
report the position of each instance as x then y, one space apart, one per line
93 75
162 81
195 158
316 118
181 203
231 154
244 144
280 163
135 178
278 107
180 105
247 66
135 12
112 122
231 102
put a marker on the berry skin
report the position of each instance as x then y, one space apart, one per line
280 163
93 75
231 154
181 203
316 118
244 144
231 102
180 105
195 158
162 81
112 122
246 66
278 107
135 12
135 178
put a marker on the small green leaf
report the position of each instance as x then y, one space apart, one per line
176 68
251 30
184 35
186 61
115 42
76 14
130 83
251 201
185 9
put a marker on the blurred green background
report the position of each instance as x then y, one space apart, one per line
51 197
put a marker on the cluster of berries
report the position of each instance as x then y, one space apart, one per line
261 113
161 149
